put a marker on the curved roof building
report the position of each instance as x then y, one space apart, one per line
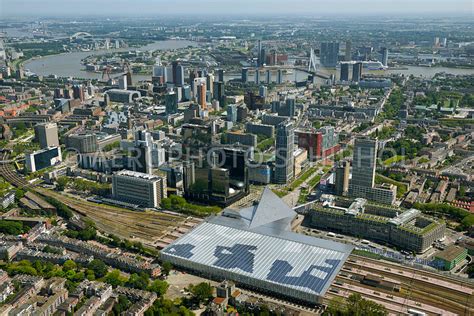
255 247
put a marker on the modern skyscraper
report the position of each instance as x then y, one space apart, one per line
202 94
260 60
210 83
344 72
123 82
279 76
284 152
268 78
171 103
245 75
189 175
220 75
384 53
46 135
329 54
179 79
142 159
219 92
363 163
232 113
342 177
348 55
362 183
257 76
357 72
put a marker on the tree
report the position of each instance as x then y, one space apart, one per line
98 267
62 182
69 265
166 268
159 287
201 292
113 278
138 281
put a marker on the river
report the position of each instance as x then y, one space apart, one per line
69 64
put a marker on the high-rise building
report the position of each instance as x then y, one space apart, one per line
245 75
259 54
202 94
46 134
171 103
357 72
348 55
220 75
142 158
363 163
329 54
263 91
82 143
232 113
257 76
123 82
210 83
279 76
284 152
342 177
384 56
268 78
321 143
362 183
219 92
160 72
189 175
139 188
220 181
344 72
42 158
179 78
288 109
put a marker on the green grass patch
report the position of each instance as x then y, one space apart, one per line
302 178
401 187
393 160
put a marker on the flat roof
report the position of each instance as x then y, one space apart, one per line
450 253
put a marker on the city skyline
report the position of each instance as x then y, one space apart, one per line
211 7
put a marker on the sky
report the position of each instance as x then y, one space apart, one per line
9 8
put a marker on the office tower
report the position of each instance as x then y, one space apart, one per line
169 75
186 93
171 103
259 54
275 106
344 72
329 54
242 113
357 72
219 92
288 109
46 135
445 42
189 175
236 160
232 113
220 181
142 159
257 76
436 41
123 82
161 72
284 152
348 56
202 94
245 75
263 91
179 78
342 177
385 56
82 143
364 162
78 92
319 144
42 158
362 183
117 44
279 76
220 75
174 69
138 188
210 83
268 78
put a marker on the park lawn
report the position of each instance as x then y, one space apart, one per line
393 160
